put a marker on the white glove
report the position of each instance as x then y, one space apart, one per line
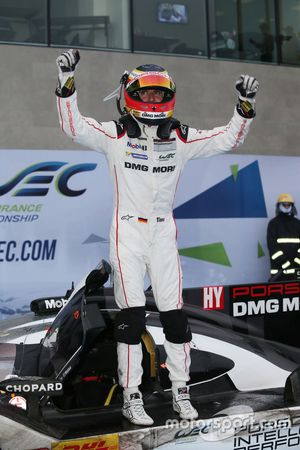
67 61
246 87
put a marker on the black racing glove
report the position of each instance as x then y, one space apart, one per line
66 63
246 87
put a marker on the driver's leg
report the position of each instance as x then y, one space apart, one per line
126 255
166 280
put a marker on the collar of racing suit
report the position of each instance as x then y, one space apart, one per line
134 128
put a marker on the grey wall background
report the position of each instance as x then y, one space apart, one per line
206 96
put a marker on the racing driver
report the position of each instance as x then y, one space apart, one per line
146 150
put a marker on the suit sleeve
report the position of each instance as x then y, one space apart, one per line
204 143
84 130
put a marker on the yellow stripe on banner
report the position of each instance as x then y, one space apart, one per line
110 394
107 442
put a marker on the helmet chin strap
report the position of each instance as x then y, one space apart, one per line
133 126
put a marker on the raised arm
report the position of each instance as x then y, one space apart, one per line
83 130
203 143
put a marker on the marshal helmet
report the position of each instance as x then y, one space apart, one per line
285 204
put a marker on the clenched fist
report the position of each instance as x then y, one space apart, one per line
247 87
67 61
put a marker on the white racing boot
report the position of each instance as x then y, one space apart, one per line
133 409
182 404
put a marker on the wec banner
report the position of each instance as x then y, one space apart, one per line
54 218
56 207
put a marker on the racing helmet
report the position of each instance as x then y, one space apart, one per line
286 209
149 76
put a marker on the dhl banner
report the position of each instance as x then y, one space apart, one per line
105 442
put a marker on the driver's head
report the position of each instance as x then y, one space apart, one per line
150 94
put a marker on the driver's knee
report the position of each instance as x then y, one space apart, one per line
175 326
130 323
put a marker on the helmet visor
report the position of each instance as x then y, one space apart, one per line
150 81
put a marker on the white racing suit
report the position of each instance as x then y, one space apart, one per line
145 173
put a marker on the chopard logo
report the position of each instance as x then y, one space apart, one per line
34 387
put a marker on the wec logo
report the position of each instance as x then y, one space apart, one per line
30 179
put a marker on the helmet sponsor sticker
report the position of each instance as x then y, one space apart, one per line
154 115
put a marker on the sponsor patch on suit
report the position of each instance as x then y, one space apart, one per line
165 146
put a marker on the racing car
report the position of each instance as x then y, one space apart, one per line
58 364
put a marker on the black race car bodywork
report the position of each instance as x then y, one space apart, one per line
61 359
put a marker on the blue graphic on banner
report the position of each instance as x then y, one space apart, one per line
94 238
40 167
50 203
240 196
62 179
62 182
